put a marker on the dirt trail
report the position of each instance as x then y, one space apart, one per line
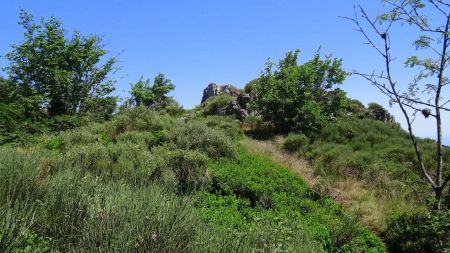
348 192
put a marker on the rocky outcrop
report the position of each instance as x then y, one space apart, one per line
238 106
382 114
214 89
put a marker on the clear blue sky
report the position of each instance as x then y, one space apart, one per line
198 42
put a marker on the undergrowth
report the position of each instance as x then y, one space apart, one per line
146 182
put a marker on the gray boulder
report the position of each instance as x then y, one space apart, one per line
238 106
214 89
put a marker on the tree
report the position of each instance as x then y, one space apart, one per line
62 76
430 79
299 97
152 95
17 121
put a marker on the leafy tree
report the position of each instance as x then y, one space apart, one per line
299 97
59 75
152 95
16 118
425 92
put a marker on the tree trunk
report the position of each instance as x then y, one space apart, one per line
438 199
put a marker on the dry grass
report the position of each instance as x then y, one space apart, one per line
354 195
269 148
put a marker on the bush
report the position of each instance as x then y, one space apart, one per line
300 97
229 125
197 136
125 219
295 143
148 139
275 209
65 122
23 174
419 232
255 127
190 168
355 108
216 103
17 221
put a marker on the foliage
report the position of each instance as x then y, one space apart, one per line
255 127
229 125
425 91
152 95
214 104
17 121
197 136
300 97
62 76
252 192
295 143
420 232
54 83
190 168
148 182
370 150
356 108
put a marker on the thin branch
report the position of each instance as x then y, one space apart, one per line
438 7
395 96
411 19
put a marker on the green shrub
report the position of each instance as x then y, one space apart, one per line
124 219
138 119
255 127
23 174
419 232
190 168
295 143
65 207
17 221
216 103
378 153
126 161
83 214
81 136
197 136
65 122
149 139
229 125
254 194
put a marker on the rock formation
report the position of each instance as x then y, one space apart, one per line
238 106
382 114
214 89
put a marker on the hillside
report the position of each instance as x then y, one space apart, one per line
288 162
179 186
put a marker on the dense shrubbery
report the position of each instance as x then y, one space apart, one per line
255 127
378 156
54 81
295 143
369 149
299 97
146 182
253 192
214 104
420 232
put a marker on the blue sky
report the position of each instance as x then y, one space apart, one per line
198 42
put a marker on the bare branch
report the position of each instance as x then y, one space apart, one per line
435 3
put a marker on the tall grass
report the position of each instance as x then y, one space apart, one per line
372 163
145 182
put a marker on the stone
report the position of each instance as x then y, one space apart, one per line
214 89
243 100
238 106
382 115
